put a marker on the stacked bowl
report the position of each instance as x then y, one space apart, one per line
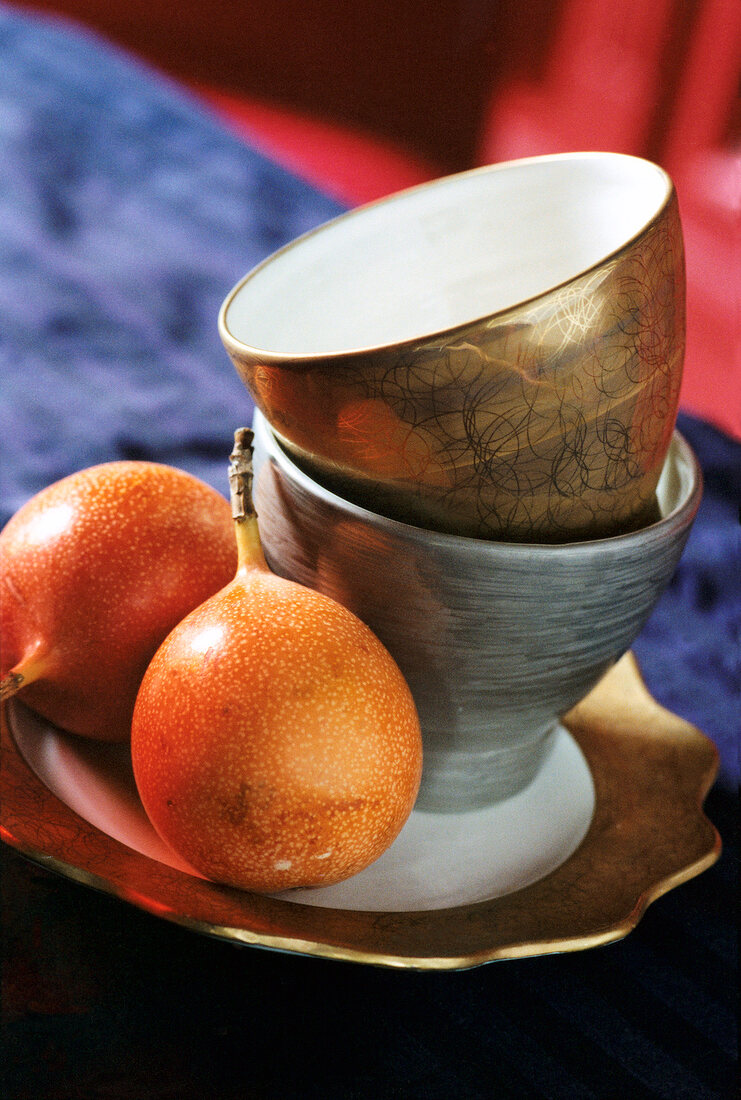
466 402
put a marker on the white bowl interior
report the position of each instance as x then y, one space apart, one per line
445 253
679 477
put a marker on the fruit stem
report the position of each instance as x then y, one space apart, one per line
249 546
30 668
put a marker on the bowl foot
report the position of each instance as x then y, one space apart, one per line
458 781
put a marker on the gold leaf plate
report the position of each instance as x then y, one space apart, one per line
651 771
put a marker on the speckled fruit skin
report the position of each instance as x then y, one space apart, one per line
97 569
275 742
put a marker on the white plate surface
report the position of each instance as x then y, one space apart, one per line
438 861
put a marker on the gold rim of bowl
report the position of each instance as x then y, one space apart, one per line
241 348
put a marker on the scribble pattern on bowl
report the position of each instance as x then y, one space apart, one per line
544 421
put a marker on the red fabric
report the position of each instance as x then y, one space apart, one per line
600 86
709 190
351 166
704 158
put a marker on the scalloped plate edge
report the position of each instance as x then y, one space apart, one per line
652 771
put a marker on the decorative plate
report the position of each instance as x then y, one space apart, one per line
613 821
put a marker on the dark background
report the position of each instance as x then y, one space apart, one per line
102 1001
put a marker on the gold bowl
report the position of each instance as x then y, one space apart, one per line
496 354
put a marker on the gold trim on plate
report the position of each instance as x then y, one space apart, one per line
651 770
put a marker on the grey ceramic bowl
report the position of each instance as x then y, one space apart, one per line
497 640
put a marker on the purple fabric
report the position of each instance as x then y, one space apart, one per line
126 216
690 649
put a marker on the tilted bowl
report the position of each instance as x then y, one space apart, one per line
497 353
496 639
